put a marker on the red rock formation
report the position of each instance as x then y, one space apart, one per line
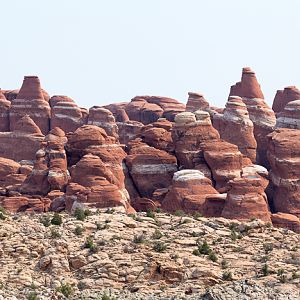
95 185
283 154
65 114
195 102
150 168
24 204
290 116
246 198
283 97
235 127
10 173
23 142
188 192
248 87
4 113
30 101
50 168
286 221
103 118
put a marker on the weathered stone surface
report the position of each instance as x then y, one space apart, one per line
10 173
235 126
283 97
290 116
195 102
286 221
103 118
22 143
4 112
30 101
248 87
150 168
65 114
283 154
246 200
188 192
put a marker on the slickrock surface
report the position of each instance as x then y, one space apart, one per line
140 257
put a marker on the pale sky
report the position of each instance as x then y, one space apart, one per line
99 52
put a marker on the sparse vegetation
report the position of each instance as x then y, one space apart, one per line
32 296
57 219
46 221
2 213
179 213
66 289
157 234
78 230
224 264
81 214
268 247
89 243
227 275
159 247
265 270
150 214
139 239
212 256
54 233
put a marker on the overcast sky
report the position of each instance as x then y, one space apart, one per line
98 52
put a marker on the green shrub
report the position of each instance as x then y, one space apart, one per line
46 221
89 243
139 239
2 213
81 214
101 226
179 213
110 211
196 252
54 234
224 264
106 297
78 230
204 248
158 210
227 275
157 234
265 270
268 247
159 247
66 289
150 214
212 256
57 219
32 296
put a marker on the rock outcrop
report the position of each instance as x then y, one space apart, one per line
4 113
235 127
283 154
283 97
65 114
195 102
188 192
286 221
290 116
23 142
30 101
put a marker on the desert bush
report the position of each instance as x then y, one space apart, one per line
57 219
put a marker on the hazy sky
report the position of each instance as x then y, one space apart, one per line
98 52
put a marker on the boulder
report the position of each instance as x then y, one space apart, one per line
286 221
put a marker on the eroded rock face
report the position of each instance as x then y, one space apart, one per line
195 102
235 127
283 154
10 173
248 87
103 118
50 167
286 221
94 184
246 199
30 101
283 97
148 109
23 142
188 192
65 114
262 116
150 168
4 113
290 116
